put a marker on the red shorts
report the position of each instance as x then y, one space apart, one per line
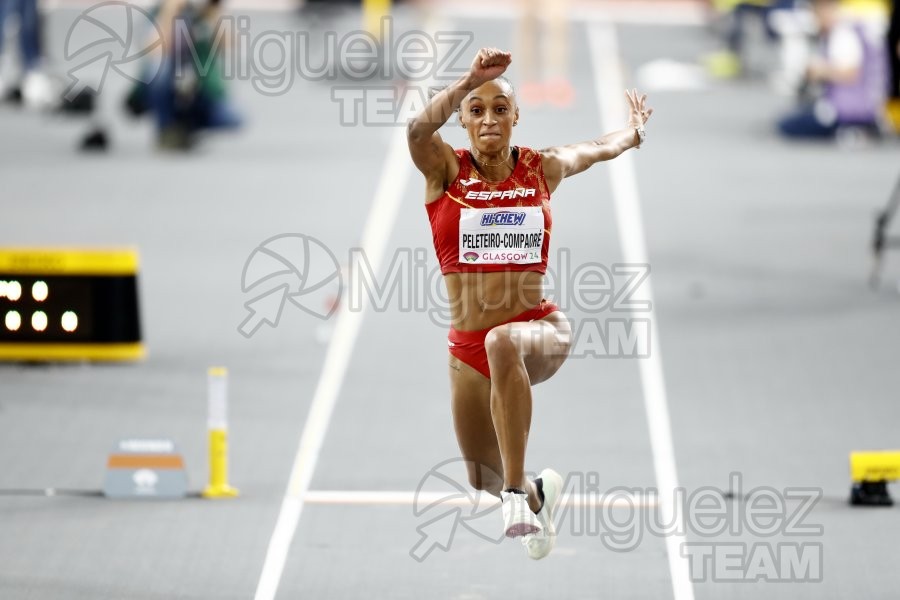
468 346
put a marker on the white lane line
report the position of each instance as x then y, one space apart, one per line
382 214
610 86
425 498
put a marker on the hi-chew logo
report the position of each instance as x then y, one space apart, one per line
505 217
502 194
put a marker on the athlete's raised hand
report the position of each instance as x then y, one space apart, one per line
489 64
637 108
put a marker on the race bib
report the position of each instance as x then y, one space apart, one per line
501 236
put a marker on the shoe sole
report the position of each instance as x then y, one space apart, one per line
521 529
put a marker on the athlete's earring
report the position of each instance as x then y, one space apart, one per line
463 125
515 123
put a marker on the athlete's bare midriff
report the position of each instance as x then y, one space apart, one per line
482 300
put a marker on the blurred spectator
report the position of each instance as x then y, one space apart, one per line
321 14
845 79
731 62
183 98
36 89
186 105
544 81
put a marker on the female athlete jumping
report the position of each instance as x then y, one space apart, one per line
489 208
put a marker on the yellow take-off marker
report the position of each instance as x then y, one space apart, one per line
871 472
373 11
217 425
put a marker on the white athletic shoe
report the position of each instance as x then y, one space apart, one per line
540 544
40 92
518 520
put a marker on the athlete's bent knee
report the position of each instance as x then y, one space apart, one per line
500 346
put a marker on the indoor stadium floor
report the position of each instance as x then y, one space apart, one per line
770 357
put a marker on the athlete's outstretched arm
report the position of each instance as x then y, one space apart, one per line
428 150
564 161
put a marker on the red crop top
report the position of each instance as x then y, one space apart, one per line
485 226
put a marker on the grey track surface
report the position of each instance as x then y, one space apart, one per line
778 359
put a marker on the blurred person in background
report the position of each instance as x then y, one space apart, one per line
184 106
845 79
545 80
326 9
185 97
738 14
35 88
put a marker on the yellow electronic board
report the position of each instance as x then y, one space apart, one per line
69 304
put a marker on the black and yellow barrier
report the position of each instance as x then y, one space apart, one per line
69 305
870 473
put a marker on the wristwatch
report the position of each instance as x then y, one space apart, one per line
642 135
